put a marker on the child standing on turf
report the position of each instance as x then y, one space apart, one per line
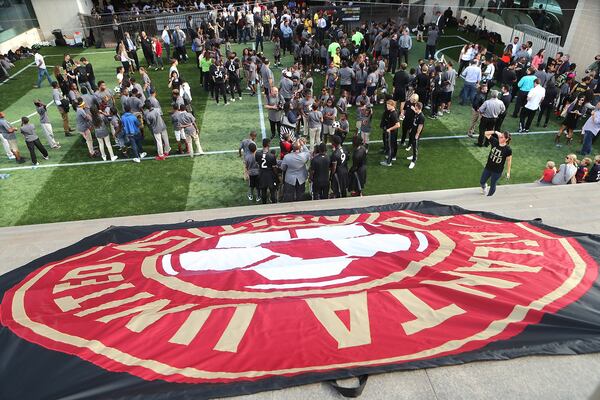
188 123
179 134
277 53
252 170
32 140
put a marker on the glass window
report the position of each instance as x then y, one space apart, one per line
16 17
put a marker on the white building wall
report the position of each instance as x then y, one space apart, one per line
60 14
27 39
583 40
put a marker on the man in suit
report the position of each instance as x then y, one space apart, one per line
294 167
131 50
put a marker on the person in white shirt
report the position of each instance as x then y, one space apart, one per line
488 72
534 98
166 38
516 46
42 71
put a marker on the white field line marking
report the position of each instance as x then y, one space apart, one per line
17 73
75 164
261 116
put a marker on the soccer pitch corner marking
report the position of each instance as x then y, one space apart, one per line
217 152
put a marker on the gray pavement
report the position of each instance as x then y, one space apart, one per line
551 377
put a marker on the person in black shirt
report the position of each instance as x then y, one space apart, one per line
506 98
358 172
319 173
146 44
267 174
339 168
407 117
233 70
90 73
82 76
391 131
401 80
423 84
478 100
415 133
219 76
500 154
594 173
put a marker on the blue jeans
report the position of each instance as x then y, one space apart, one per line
136 144
588 138
41 73
487 174
467 93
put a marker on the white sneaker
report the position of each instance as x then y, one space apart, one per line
144 154
113 158
394 159
484 190
447 111
240 98
233 100
401 118
46 157
385 164
137 160
250 197
409 148
440 113
412 165
409 158
103 158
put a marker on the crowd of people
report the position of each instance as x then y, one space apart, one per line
302 119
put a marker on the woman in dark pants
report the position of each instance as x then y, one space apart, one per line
32 140
500 154
547 105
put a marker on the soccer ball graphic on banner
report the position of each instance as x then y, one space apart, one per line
250 252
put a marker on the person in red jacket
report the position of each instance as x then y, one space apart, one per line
158 50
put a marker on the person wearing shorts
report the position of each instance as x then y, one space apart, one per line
179 133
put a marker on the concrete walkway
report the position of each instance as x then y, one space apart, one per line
574 207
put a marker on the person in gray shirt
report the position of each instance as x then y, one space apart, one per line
10 138
154 101
346 75
266 76
187 122
274 103
490 110
315 120
296 174
432 38
83 121
32 140
286 86
45 124
158 128
101 124
135 102
329 116
252 171
124 98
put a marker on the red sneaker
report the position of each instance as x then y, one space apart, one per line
159 158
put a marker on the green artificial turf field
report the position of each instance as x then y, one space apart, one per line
98 190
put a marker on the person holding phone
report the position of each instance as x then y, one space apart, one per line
500 155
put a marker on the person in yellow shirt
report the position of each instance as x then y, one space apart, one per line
308 24
336 58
